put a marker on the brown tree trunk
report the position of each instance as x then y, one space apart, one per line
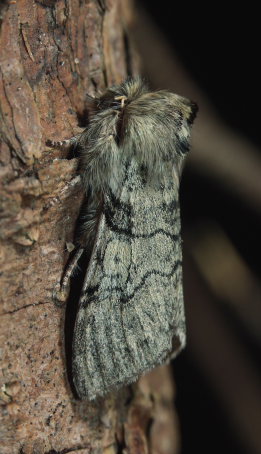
52 54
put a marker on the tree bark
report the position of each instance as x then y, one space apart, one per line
52 54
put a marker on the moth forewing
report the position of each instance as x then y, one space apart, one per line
131 312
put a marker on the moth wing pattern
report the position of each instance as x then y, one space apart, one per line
131 315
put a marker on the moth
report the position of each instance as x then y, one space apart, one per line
131 313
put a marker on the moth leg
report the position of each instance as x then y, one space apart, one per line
61 290
63 144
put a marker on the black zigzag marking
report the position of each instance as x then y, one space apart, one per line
127 231
127 210
125 299
126 207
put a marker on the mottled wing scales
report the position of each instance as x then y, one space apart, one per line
131 310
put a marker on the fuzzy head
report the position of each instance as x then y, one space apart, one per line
129 121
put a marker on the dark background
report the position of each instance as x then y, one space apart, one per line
221 52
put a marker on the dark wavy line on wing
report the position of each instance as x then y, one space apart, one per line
85 300
126 207
114 201
127 231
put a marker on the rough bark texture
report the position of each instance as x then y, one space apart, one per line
52 54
